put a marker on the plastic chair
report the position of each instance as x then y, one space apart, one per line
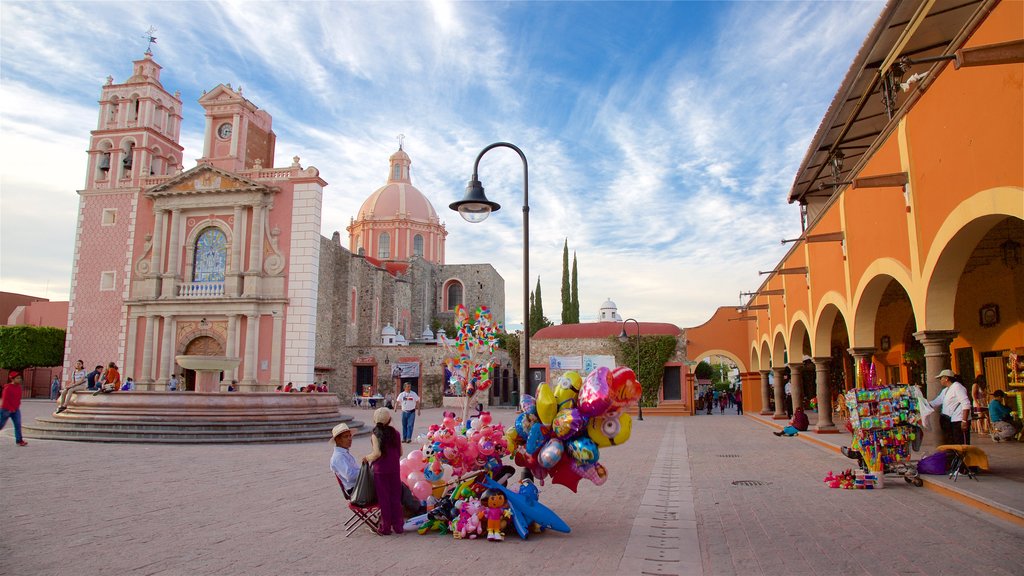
368 516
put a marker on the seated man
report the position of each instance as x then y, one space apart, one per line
79 378
343 463
1001 418
799 423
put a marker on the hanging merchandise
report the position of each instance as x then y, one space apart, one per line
886 423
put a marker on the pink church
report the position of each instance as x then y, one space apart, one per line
218 260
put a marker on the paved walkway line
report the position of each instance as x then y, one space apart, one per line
664 538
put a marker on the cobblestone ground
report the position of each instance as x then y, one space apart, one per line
796 525
77 508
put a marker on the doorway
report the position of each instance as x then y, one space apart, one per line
672 389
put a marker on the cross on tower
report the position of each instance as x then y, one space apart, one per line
152 39
401 138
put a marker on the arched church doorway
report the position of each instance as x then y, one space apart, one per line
200 346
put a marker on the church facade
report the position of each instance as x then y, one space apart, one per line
226 258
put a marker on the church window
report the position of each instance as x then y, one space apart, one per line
109 216
417 245
107 280
384 246
211 256
453 295
112 110
396 173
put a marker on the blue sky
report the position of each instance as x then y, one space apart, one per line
662 137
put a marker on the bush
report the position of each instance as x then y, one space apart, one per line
28 346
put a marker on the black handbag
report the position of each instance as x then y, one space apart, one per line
364 494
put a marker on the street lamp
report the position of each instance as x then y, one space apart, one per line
474 208
623 338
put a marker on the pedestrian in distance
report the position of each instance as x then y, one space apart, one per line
10 405
409 403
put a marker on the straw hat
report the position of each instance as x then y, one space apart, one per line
382 416
339 429
947 373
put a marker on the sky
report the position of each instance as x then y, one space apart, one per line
662 138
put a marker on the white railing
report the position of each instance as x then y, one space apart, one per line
201 290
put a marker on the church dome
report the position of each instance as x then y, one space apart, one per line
608 312
398 199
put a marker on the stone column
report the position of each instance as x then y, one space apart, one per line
208 138
251 368
236 254
252 283
859 355
764 392
156 264
780 394
824 394
173 253
129 347
166 353
936 359
231 350
235 136
796 385
151 335
275 349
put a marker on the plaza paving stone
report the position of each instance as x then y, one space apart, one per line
79 508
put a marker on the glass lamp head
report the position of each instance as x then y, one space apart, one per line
474 207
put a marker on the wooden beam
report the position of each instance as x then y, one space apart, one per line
778 292
757 307
1011 52
826 237
882 181
799 270
743 318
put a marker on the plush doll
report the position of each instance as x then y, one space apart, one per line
468 523
495 509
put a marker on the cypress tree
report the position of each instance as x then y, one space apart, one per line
574 303
566 296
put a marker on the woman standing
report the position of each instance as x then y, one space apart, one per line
386 451
979 400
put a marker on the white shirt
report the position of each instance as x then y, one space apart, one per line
172 384
408 400
954 401
344 466
79 377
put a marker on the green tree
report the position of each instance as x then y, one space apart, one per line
537 318
566 293
575 298
27 346
703 371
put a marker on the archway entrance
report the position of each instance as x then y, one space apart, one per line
200 346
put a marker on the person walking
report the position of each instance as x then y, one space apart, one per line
386 451
10 405
739 402
409 403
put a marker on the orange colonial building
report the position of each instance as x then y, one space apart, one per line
912 200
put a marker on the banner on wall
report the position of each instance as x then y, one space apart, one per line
565 363
405 370
591 363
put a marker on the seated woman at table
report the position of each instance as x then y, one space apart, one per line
1001 418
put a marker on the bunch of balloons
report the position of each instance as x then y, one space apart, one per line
468 360
561 432
451 450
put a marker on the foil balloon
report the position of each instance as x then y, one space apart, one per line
623 387
596 473
523 423
546 406
528 404
551 453
610 429
567 423
536 438
567 386
594 398
583 451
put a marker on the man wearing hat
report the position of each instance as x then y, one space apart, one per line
955 417
10 405
342 462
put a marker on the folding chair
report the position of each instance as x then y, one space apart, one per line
368 516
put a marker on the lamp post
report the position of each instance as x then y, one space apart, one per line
474 208
622 338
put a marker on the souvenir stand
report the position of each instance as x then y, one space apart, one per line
885 421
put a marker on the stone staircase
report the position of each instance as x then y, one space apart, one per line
195 418
188 432
665 408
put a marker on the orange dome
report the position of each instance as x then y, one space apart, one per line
398 199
